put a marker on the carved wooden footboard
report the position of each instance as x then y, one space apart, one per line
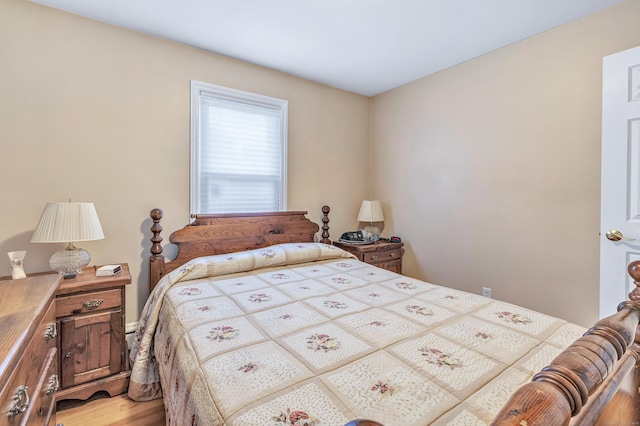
581 386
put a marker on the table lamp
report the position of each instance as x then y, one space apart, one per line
68 223
371 211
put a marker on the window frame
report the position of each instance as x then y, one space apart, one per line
197 89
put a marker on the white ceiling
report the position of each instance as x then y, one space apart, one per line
363 46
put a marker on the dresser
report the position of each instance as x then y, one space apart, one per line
28 373
382 254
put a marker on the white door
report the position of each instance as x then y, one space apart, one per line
620 197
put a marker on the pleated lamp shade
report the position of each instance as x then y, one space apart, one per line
370 211
68 223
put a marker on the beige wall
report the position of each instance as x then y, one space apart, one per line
490 170
97 113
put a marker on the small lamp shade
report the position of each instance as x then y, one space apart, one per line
370 211
68 223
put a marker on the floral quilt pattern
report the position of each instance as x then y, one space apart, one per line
306 335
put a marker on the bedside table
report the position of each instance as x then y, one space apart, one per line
382 254
91 339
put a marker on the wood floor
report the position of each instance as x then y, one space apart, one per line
103 411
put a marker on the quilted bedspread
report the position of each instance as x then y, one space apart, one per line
305 334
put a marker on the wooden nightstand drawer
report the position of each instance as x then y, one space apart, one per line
88 302
381 256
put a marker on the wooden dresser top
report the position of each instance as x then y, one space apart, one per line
23 303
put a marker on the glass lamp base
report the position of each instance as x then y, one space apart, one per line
374 231
70 261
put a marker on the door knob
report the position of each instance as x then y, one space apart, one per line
615 235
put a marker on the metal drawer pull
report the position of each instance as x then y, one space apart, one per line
374 257
92 304
51 331
392 254
20 401
53 385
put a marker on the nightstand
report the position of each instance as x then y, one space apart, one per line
382 254
91 337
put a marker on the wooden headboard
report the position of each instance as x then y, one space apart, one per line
211 234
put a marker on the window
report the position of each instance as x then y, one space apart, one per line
238 151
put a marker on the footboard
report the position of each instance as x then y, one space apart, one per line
586 377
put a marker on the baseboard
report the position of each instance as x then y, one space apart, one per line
130 329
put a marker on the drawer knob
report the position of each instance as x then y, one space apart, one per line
92 304
20 402
374 257
51 331
53 385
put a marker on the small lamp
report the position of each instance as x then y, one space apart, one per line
68 223
371 211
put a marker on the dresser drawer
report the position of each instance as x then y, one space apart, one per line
382 256
20 396
42 407
88 302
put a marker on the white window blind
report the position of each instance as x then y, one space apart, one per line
238 151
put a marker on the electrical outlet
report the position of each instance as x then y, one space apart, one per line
486 292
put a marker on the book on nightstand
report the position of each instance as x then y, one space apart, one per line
108 270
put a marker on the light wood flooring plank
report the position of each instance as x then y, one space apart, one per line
119 410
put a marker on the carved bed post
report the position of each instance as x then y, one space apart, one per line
363 422
325 227
634 271
561 389
156 260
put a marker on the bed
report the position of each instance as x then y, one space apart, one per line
255 323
